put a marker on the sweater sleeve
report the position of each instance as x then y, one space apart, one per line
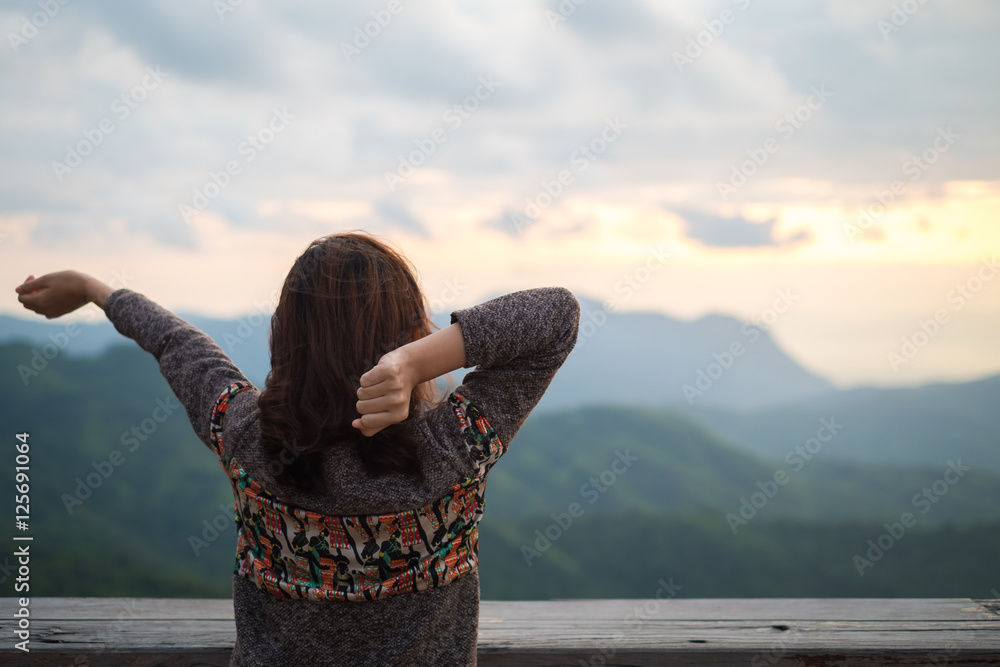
194 366
517 342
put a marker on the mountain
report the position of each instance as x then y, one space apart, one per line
118 483
655 360
243 339
646 359
645 555
924 425
116 513
613 460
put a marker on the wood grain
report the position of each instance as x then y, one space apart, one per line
764 632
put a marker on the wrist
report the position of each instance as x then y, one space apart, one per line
95 291
436 354
408 362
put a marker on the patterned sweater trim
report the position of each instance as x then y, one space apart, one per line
290 552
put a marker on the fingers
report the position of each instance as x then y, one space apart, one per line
375 375
381 411
54 294
368 393
396 406
36 300
365 431
383 397
388 366
378 404
386 387
29 286
32 300
379 381
32 293
369 425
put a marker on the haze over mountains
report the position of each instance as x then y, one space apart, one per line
727 375
652 359
621 358
153 516
904 426
700 448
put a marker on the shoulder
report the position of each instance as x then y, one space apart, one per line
462 431
235 415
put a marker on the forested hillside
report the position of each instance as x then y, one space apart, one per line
586 503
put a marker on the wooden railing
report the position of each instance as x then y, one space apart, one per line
758 632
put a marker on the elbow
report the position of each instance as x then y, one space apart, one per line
566 310
565 305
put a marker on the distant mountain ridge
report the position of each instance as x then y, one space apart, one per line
617 459
580 487
651 359
244 339
919 425
628 358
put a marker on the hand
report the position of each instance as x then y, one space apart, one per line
56 294
384 396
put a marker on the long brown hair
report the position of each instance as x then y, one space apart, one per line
348 299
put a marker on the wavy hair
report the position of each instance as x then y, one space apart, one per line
348 299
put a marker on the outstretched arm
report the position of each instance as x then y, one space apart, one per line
56 294
195 367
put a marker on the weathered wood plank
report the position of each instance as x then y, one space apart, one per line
114 631
170 635
992 605
844 609
191 659
631 659
122 608
736 609
729 659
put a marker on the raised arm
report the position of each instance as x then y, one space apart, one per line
517 342
194 366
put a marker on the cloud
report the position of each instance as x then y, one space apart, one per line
507 223
607 21
190 39
398 215
736 232
609 58
14 201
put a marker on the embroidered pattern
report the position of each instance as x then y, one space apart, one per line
293 553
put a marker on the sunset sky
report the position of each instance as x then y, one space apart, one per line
844 154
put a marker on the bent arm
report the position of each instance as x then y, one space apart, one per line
436 354
517 342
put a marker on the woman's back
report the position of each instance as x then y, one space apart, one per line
517 342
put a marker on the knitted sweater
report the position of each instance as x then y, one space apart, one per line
517 342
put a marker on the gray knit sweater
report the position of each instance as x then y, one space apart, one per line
517 342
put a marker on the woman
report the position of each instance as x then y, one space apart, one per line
357 497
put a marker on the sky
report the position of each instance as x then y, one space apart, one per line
830 170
